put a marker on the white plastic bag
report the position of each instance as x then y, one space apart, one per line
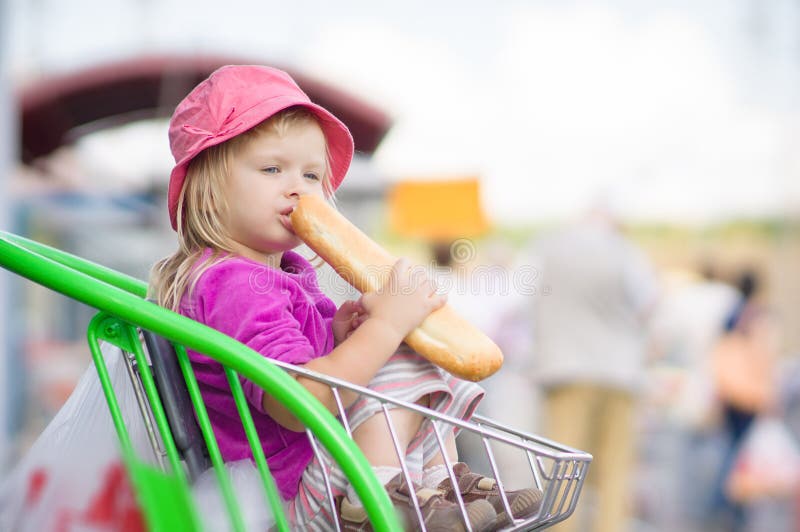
249 490
72 478
767 464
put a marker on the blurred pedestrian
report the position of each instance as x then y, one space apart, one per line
682 435
743 367
590 353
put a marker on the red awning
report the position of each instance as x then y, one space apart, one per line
56 111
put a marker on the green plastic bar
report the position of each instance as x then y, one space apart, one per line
102 273
273 498
208 432
225 350
108 389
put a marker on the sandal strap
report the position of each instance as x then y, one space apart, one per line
425 494
351 512
468 481
487 484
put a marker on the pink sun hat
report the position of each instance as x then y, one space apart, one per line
236 98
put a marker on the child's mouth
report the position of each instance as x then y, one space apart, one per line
286 220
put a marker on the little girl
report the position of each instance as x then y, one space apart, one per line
247 144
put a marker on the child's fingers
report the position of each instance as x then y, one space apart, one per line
403 263
358 305
401 268
431 285
439 301
349 307
348 310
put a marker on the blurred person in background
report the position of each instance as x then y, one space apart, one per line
680 433
590 352
685 327
743 364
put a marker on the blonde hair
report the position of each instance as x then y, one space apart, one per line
201 203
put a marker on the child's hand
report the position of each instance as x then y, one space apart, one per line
347 319
405 300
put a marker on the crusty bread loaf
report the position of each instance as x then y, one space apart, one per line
444 337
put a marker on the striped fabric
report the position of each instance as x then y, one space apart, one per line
408 377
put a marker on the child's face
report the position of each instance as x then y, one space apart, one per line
266 177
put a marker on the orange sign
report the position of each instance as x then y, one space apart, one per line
437 209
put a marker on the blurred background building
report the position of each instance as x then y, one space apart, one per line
681 118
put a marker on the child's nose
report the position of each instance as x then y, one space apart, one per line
297 185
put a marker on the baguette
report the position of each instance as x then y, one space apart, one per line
444 337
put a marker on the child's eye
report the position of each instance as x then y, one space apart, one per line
272 170
313 176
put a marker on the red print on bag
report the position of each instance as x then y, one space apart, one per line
36 483
112 508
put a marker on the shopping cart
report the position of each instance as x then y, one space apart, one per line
153 342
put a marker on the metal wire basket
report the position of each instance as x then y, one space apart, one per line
556 470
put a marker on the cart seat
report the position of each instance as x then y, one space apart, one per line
177 404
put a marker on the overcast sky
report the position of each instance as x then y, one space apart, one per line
687 111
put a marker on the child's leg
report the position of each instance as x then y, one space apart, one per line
471 486
449 445
449 448
429 386
375 440
435 470
409 377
